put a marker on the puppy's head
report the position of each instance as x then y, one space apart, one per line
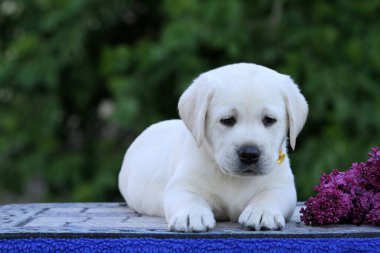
242 113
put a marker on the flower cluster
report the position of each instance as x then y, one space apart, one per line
352 196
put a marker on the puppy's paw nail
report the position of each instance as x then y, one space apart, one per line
192 221
261 218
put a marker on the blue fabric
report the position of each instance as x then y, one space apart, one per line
191 245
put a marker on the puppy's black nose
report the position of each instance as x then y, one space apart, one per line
249 154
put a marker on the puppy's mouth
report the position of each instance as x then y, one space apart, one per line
245 171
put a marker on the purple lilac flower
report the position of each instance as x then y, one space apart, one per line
329 206
370 170
373 216
362 203
352 196
342 181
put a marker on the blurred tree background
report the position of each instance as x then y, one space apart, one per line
79 79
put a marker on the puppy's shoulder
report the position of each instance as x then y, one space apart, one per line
283 174
175 125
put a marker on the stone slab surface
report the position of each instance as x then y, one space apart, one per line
100 220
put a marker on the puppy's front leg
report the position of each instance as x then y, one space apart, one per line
187 212
269 209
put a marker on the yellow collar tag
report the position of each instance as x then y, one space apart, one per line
281 157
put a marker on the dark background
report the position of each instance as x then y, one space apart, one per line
79 79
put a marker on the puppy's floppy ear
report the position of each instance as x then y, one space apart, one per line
297 109
192 107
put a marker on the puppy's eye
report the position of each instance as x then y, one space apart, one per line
269 121
228 121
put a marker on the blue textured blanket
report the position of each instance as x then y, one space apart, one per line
191 245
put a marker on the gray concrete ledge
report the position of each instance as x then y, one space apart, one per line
115 220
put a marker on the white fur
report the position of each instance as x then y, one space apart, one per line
188 170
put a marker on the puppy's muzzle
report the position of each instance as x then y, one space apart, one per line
249 154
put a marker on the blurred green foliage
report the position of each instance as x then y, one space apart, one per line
80 79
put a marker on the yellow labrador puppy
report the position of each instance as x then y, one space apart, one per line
226 158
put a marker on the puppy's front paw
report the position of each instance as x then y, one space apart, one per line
192 221
262 218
